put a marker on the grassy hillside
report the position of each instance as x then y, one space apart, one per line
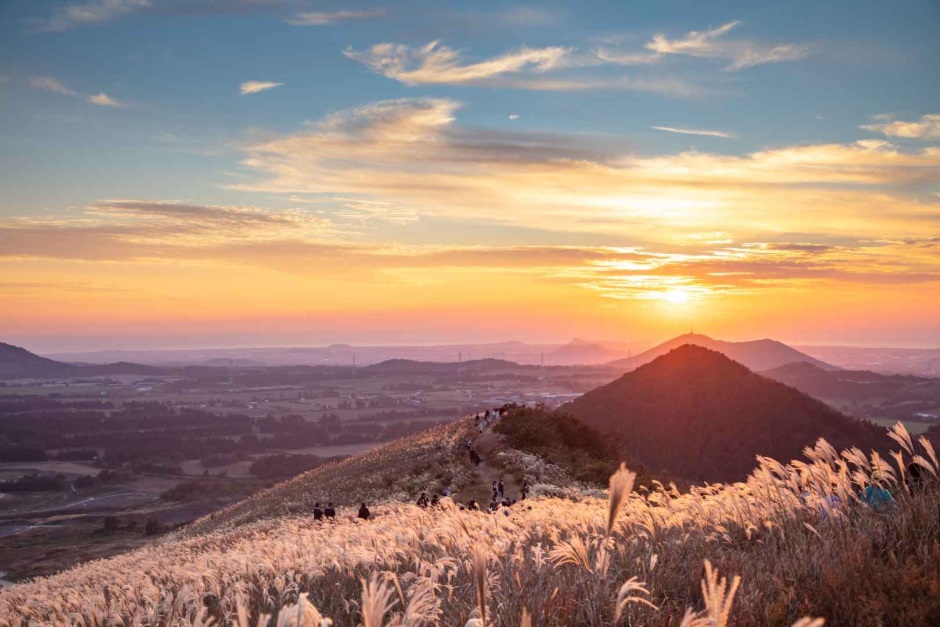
399 471
428 462
631 559
701 416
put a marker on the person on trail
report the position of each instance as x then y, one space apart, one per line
500 490
317 512
434 501
423 500
525 488
363 512
876 497
472 505
495 490
494 505
330 511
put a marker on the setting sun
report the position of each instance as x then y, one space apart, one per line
677 296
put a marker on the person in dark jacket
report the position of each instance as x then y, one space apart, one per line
330 511
363 512
317 512
423 500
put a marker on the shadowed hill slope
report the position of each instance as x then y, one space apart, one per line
699 415
756 355
19 362
853 385
16 363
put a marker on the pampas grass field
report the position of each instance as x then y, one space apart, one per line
770 550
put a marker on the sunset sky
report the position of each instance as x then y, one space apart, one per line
284 172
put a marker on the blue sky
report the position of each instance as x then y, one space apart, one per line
179 70
104 100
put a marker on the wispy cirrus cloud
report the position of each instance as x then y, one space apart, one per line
708 44
322 18
55 86
52 85
711 44
691 131
526 68
928 127
436 63
104 100
254 87
89 13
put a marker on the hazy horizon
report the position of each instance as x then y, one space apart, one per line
93 345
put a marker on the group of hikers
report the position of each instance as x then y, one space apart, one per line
499 498
486 418
329 512
873 496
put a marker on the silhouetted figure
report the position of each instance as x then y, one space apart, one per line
317 512
434 501
499 488
495 489
525 489
494 505
472 505
363 512
330 511
423 500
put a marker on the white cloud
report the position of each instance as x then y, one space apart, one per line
709 44
322 18
254 87
411 153
513 116
928 127
689 131
104 100
54 85
73 15
437 64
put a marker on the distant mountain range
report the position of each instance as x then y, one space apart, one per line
756 354
865 394
580 352
19 363
919 361
698 415
576 352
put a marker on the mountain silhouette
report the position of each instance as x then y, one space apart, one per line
579 351
19 363
695 414
756 354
